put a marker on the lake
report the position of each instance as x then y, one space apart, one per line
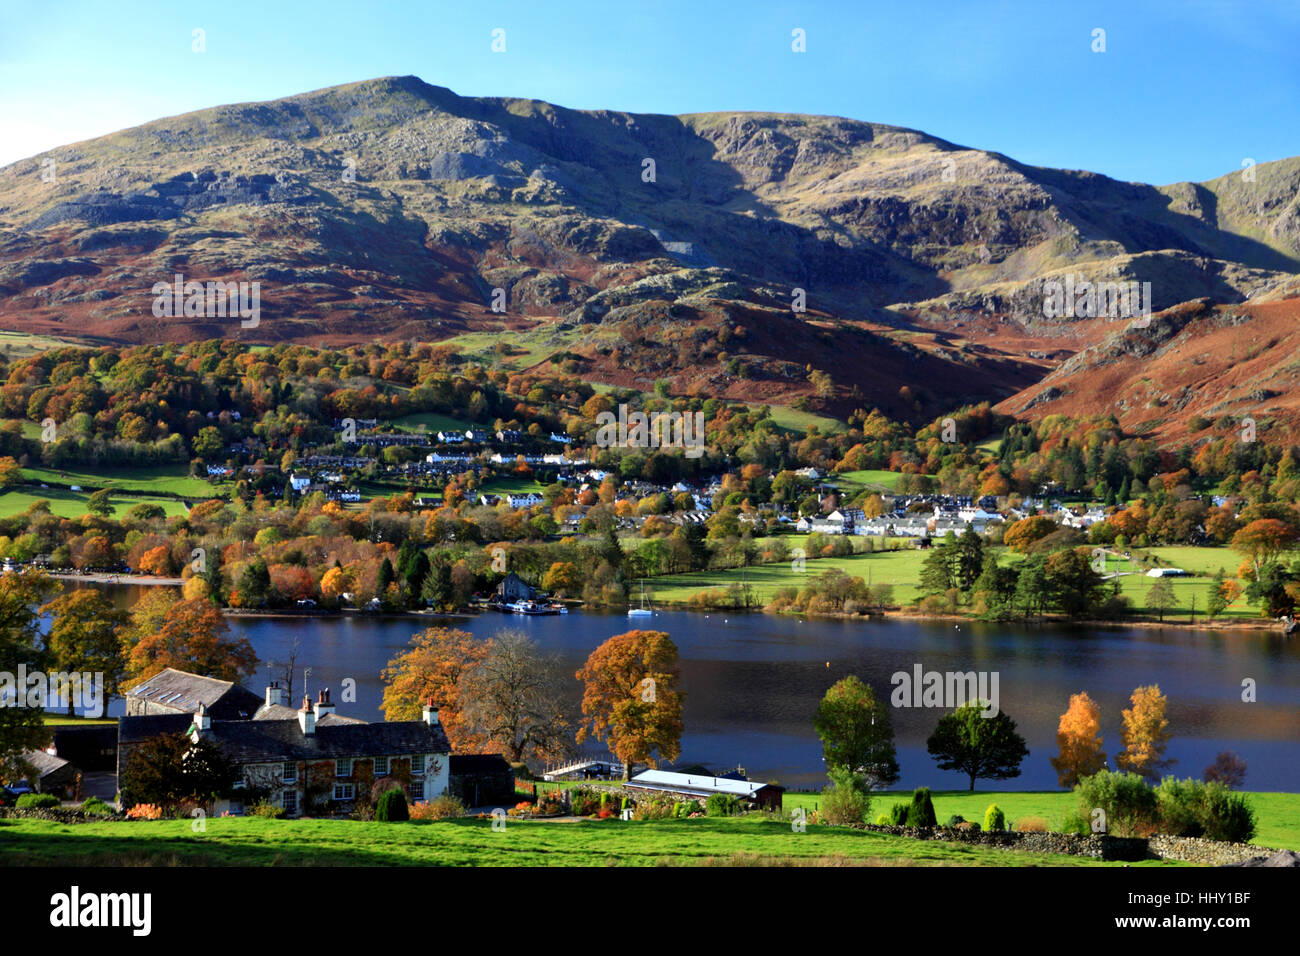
752 682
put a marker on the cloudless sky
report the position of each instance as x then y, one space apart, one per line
1184 90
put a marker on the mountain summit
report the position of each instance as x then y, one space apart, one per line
727 252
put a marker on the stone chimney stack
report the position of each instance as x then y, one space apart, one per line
202 721
323 705
307 718
275 694
431 713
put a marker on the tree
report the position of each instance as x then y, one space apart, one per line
976 745
1145 734
630 699
1078 737
100 504
435 668
21 728
854 728
514 700
1216 601
1263 540
938 569
254 584
192 636
1227 769
85 636
171 769
1161 596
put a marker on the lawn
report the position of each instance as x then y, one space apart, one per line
163 480
875 478
252 841
63 720
902 569
1277 815
794 420
432 422
72 504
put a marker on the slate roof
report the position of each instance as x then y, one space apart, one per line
184 692
281 712
260 741
695 783
45 764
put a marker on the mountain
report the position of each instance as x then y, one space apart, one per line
628 247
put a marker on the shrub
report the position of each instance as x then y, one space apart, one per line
921 812
583 803
1127 799
36 801
445 807
882 820
145 811
847 800
898 815
265 808
1195 809
657 807
97 807
391 807
721 805
1076 822
955 819
1031 825
994 818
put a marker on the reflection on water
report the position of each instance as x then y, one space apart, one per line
752 682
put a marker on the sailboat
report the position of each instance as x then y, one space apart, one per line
641 611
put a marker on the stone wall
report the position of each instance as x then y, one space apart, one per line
1098 846
1209 852
56 814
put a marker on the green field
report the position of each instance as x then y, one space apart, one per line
1277 815
902 569
251 841
72 504
794 420
877 479
63 720
173 481
433 422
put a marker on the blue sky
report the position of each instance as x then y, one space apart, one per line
1184 90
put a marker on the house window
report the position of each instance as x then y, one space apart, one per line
417 763
417 789
290 773
290 801
381 766
343 768
343 791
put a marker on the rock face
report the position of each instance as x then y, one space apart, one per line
419 205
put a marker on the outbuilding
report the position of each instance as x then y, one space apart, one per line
766 796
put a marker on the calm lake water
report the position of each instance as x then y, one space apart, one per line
752 682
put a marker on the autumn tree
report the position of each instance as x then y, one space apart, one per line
21 728
435 667
1263 540
1161 596
193 636
514 700
630 699
1078 737
978 746
170 769
855 731
1145 734
85 636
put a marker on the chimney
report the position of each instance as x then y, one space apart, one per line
202 721
307 718
431 713
275 694
323 705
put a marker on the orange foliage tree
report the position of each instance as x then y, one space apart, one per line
1078 736
1146 734
436 667
192 636
631 701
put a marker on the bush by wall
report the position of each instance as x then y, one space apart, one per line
391 807
994 818
921 812
36 801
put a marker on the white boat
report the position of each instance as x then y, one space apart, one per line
641 611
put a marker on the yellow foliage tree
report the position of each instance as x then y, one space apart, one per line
1078 737
1146 734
